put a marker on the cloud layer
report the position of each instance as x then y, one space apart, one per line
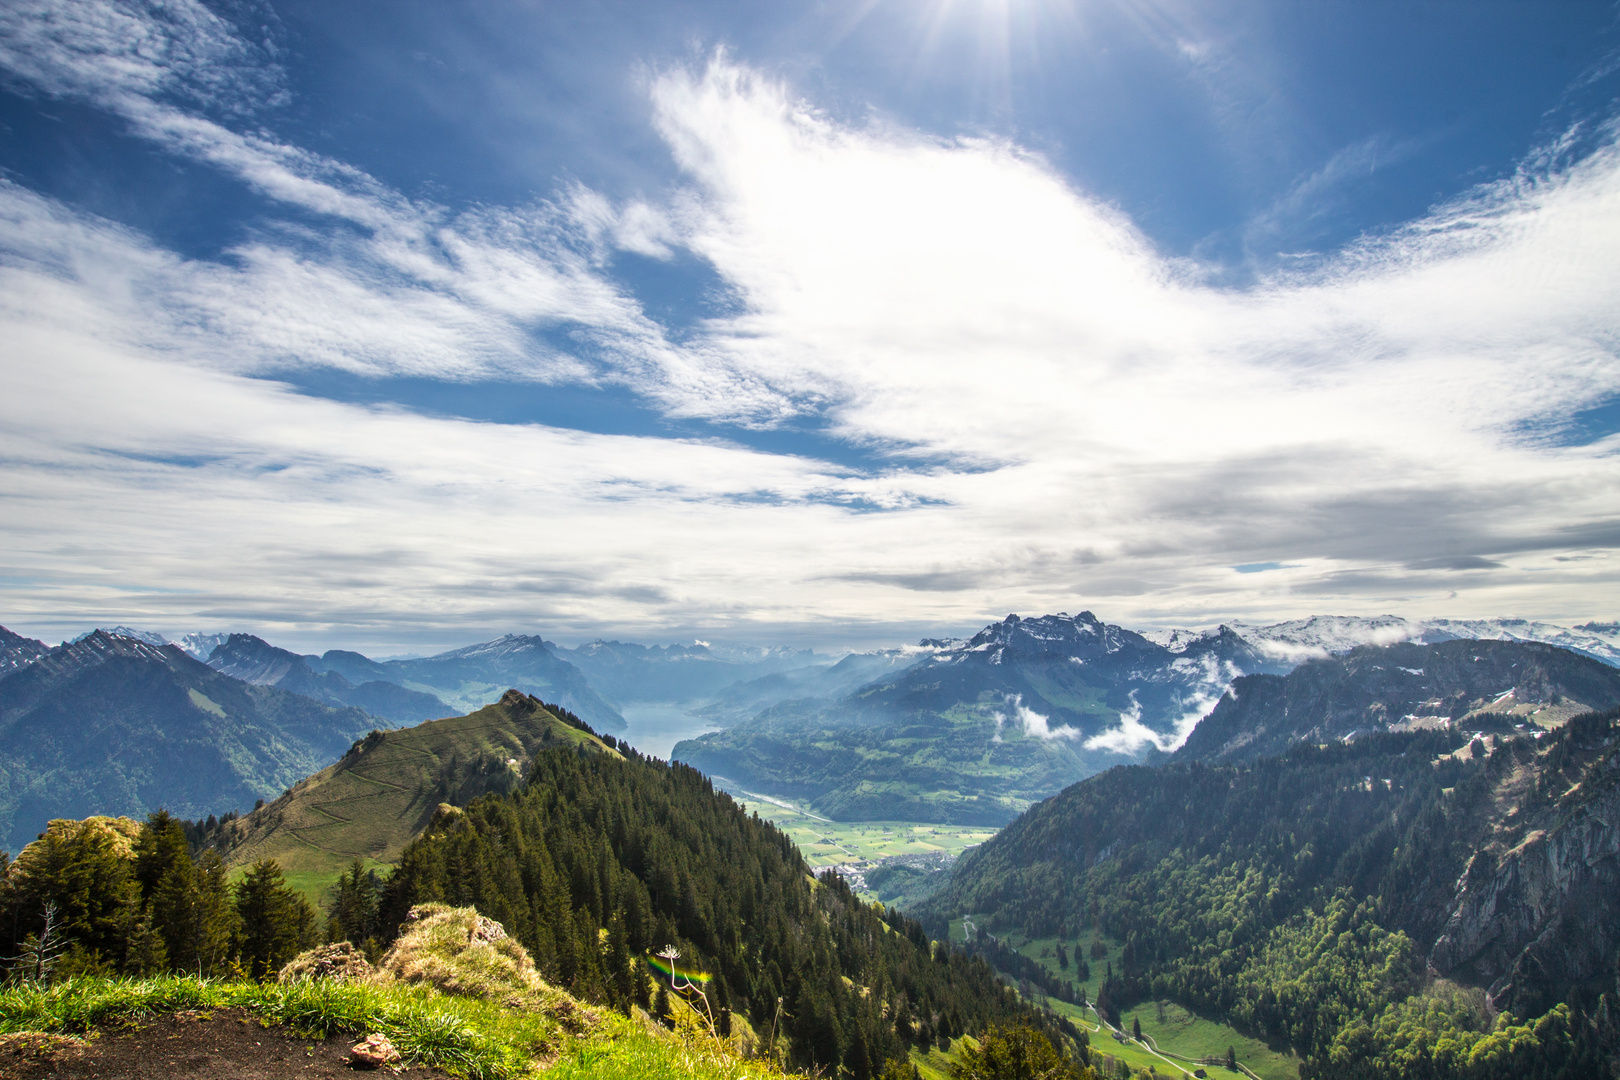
1054 411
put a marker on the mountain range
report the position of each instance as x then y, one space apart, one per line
1369 856
972 731
951 730
112 725
253 660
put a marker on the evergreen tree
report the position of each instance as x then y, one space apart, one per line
83 876
274 923
1017 1053
162 845
353 917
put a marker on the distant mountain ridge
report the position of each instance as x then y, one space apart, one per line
627 672
745 699
253 660
1322 635
1401 687
476 675
17 651
115 725
975 730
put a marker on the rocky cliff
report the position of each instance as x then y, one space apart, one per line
1537 910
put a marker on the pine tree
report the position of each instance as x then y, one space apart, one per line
354 911
162 844
275 923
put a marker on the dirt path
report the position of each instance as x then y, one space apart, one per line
226 1044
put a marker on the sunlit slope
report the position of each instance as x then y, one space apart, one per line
386 789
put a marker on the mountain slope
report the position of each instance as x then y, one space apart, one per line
253 660
599 860
975 731
1373 688
386 789
474 676
112 725
1305 897
17 651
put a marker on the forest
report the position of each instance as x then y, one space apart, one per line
638 855
1288 897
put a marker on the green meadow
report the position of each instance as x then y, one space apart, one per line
1176 1032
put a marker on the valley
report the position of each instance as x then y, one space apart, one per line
1182 1037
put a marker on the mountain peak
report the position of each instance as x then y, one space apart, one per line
17 651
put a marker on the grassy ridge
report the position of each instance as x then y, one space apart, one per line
386 789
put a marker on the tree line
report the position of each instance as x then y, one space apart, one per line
110 896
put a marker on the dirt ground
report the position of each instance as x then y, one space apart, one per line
226 1044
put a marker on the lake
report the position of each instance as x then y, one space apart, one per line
655 727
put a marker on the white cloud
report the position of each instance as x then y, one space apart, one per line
1037 726
1065 411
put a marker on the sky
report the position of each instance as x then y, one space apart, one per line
401 325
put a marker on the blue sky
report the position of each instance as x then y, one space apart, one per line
394 325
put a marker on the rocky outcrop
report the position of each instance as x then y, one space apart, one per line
1542 916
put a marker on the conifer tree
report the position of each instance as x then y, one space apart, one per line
354 911
275 923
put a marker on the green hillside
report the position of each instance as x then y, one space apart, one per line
388 787
1370 904
598 861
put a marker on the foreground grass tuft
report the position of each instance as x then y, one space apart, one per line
477 1039
470 1038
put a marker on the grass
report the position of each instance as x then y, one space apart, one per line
1182 1033
639 1054
465 1036
937 1064
470 1038
1190 1035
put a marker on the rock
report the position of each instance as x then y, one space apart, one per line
1542 916
373 1052
486 929
340 961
